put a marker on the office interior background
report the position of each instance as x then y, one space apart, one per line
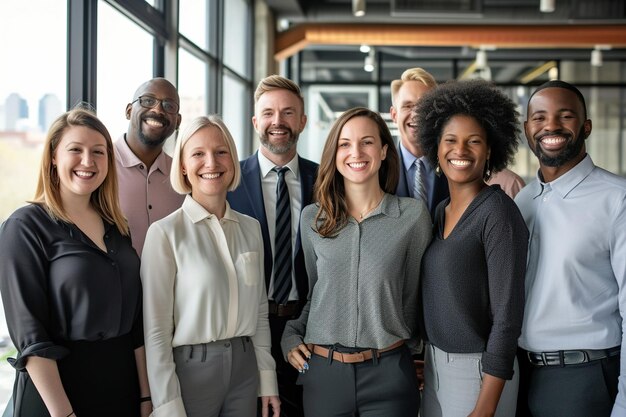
343 53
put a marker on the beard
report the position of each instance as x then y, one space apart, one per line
283 148
570 152
155 140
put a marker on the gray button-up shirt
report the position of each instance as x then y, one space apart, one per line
364 281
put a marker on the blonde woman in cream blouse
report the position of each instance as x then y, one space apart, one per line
205 306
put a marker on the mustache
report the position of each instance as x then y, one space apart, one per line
157 117
540 137
279 127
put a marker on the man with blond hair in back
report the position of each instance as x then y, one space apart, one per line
276 185
418 177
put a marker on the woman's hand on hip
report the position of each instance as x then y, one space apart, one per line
298 357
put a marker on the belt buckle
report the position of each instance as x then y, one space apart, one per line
576 357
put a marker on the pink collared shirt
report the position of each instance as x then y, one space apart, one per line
146 195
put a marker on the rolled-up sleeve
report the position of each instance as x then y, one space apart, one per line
506 240
23 283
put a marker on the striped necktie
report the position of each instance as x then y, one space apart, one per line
282 240
419 190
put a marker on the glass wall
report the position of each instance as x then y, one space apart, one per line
325 71
187 41
125 58
32 94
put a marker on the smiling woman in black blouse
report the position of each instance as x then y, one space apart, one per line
70 284
473 271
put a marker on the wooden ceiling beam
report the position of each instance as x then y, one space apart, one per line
289 42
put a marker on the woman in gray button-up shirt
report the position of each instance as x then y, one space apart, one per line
363 247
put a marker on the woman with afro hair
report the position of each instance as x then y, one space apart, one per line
473 271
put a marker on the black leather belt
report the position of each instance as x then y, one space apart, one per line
291 309
570 357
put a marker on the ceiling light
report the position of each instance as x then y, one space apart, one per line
596 58
553 73
364 48
547 6
481 59
358 8
368 66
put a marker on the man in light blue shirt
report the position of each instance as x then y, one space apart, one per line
576 274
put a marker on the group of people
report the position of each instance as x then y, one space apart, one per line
389 280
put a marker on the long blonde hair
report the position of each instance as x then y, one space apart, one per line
105 199
330 192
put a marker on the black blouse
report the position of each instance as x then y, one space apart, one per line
57 285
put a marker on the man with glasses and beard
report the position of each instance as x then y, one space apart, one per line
143 168
276 183
576 275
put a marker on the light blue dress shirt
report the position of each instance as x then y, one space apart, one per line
576 273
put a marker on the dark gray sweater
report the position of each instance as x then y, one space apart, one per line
473 281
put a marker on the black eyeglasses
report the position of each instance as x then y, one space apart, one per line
148 102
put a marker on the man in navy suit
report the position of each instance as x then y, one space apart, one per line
278 120
405 93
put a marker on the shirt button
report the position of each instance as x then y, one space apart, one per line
106 236
227 344
112 263
149 206
111 251
141 166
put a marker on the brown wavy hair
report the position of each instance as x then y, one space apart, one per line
330 192
105 199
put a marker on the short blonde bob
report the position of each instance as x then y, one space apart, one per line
180 184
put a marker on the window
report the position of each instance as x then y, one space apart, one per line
236 111
195 21
192 86
124 63
237 36
32 93
32 96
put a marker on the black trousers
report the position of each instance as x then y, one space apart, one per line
386 387
583 390
290 394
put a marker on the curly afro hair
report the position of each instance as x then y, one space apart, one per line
479 99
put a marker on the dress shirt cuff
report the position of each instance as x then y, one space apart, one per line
268 384
174 408
46 350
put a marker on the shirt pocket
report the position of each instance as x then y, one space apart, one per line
247 267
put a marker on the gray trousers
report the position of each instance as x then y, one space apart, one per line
218 379
386 387
452 384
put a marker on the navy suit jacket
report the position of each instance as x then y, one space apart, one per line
248 199
440 186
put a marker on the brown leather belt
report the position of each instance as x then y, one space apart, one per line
356 357
291 309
